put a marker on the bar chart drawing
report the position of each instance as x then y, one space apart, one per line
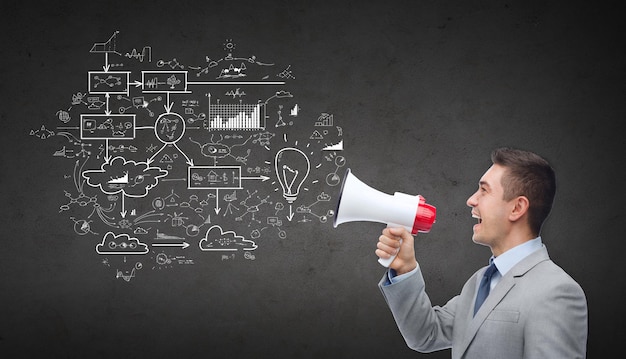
325 120
236 117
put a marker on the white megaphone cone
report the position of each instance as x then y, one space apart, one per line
359 202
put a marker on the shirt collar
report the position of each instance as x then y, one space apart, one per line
507 260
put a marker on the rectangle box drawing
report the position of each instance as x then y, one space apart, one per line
107 127
109 82
164 81
214 177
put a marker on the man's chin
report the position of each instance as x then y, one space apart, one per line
476 239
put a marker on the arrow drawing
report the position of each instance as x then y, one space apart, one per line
182 245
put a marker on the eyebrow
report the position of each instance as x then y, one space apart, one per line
484 183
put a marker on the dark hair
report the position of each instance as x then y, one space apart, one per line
527 174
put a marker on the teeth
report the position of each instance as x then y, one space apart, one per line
477 217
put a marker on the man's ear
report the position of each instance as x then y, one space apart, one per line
520 208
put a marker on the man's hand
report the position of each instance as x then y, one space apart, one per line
397 241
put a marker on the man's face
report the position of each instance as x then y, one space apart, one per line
490 209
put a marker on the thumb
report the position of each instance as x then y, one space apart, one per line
408 241
405 260
401 233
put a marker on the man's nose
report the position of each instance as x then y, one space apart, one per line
471 202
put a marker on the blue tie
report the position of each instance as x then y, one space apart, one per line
485 285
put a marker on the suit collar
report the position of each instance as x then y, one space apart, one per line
513 256
529 262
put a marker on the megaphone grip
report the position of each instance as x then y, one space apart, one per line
387 262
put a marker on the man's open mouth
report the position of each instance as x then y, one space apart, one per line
474 215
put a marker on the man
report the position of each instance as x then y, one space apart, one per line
533 309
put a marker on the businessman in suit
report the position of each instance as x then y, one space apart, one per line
520 306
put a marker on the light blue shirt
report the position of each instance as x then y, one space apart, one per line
504 262
507 260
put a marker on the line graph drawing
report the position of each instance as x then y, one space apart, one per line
146 53
109 46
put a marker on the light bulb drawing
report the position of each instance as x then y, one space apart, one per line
292 168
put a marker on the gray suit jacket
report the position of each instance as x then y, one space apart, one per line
535 311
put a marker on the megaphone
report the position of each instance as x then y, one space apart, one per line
360 202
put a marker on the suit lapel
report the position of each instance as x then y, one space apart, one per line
497 294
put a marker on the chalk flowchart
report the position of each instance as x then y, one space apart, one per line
170 162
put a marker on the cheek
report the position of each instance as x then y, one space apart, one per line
492 214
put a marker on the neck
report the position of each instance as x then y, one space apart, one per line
514 239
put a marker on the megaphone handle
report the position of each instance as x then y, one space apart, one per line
387 262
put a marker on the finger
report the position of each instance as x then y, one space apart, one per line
389 249
390 241
382 254
386 254
392 233
398 232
